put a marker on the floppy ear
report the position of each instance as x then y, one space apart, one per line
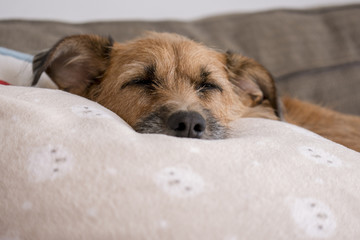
253 79
75 62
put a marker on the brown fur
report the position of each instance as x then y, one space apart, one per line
147 80
340 128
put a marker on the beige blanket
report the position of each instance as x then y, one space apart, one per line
71 169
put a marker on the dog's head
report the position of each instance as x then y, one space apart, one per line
162 83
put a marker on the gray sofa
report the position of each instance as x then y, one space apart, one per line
313 54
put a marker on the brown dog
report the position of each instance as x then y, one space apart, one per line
166 83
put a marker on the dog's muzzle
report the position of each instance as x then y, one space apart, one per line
187 124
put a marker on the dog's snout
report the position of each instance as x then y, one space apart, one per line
187 124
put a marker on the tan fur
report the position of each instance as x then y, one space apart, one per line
174 65
340 128
83 65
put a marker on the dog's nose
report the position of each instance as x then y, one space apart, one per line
187 124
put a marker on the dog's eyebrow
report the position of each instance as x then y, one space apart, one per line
206 81
146 78
204 74
150 71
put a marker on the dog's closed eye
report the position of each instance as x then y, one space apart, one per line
141 82
147 79
207 86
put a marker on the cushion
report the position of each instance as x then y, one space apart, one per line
16 69
71 169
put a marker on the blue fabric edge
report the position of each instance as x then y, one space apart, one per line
15 54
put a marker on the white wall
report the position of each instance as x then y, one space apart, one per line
85 10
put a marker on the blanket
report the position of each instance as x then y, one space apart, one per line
72 169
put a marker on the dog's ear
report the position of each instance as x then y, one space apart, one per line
75 62
253 79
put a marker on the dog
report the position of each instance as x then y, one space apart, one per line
168 84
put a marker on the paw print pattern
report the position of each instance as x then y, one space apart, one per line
313 217
49 163
319 156
179 182
85 111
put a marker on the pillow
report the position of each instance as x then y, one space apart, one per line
71 169
16 69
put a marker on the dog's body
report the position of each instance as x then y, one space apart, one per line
166 83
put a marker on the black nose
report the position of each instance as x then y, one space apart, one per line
187 124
